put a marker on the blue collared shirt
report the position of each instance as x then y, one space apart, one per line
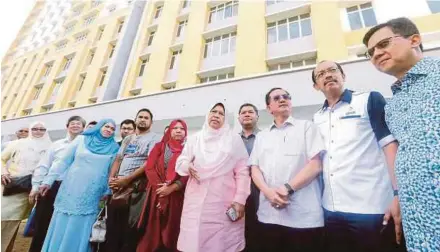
355 172
413 115
46 161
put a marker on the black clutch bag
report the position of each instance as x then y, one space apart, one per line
18 185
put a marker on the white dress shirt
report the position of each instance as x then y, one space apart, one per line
46 161
355 172
281 153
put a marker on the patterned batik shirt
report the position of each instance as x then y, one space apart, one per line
413 116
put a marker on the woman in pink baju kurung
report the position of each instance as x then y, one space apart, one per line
215 159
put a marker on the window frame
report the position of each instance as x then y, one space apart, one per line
220 10
299 20
210 45
360 8
174 60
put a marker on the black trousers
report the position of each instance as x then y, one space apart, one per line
347 232
252 226
285 239
43 214
117 225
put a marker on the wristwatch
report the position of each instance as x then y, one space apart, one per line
395 192
290 190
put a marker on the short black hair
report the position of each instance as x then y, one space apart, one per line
336 63
270 91
128 121
92 123
248 105
402 26
76 118
145 110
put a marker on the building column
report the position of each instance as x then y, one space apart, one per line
159 58
193 45
250 58
328 31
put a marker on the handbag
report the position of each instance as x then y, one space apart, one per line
99 228
18 185
121 197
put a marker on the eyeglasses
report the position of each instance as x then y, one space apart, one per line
277 98
23 131
384 43
39 129
322 73
124 128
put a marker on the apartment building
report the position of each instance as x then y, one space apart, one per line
177 57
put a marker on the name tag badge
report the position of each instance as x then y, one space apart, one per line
349 117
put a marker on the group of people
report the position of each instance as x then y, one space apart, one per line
346 181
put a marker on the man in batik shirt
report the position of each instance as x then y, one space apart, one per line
413 116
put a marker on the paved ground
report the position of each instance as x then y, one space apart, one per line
22 243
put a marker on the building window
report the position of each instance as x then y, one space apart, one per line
361 16
186 4
100 32
82 78
69 28
112 8
37 92
67 64
434 5
91 56
102 77
120 26
150 38
181 28
81 37
61 45
142 67
56 88
158 12
292 64
217 78
95 3
223 11
270 2
175 59
89 20
291 28
48 69
112 50
220 45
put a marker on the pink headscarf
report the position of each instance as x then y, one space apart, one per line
213 151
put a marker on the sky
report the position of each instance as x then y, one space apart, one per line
13 13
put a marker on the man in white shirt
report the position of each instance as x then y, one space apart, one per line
285 164
44 208
357 166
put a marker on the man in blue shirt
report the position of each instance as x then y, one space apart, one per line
413 116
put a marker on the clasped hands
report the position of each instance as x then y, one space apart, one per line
278 197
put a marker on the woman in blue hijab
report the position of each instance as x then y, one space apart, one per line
87 160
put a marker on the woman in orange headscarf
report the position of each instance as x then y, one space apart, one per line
165 193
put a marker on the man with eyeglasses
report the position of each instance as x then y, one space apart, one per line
286 163
413 115
127 128
20 133
358 185
44 208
